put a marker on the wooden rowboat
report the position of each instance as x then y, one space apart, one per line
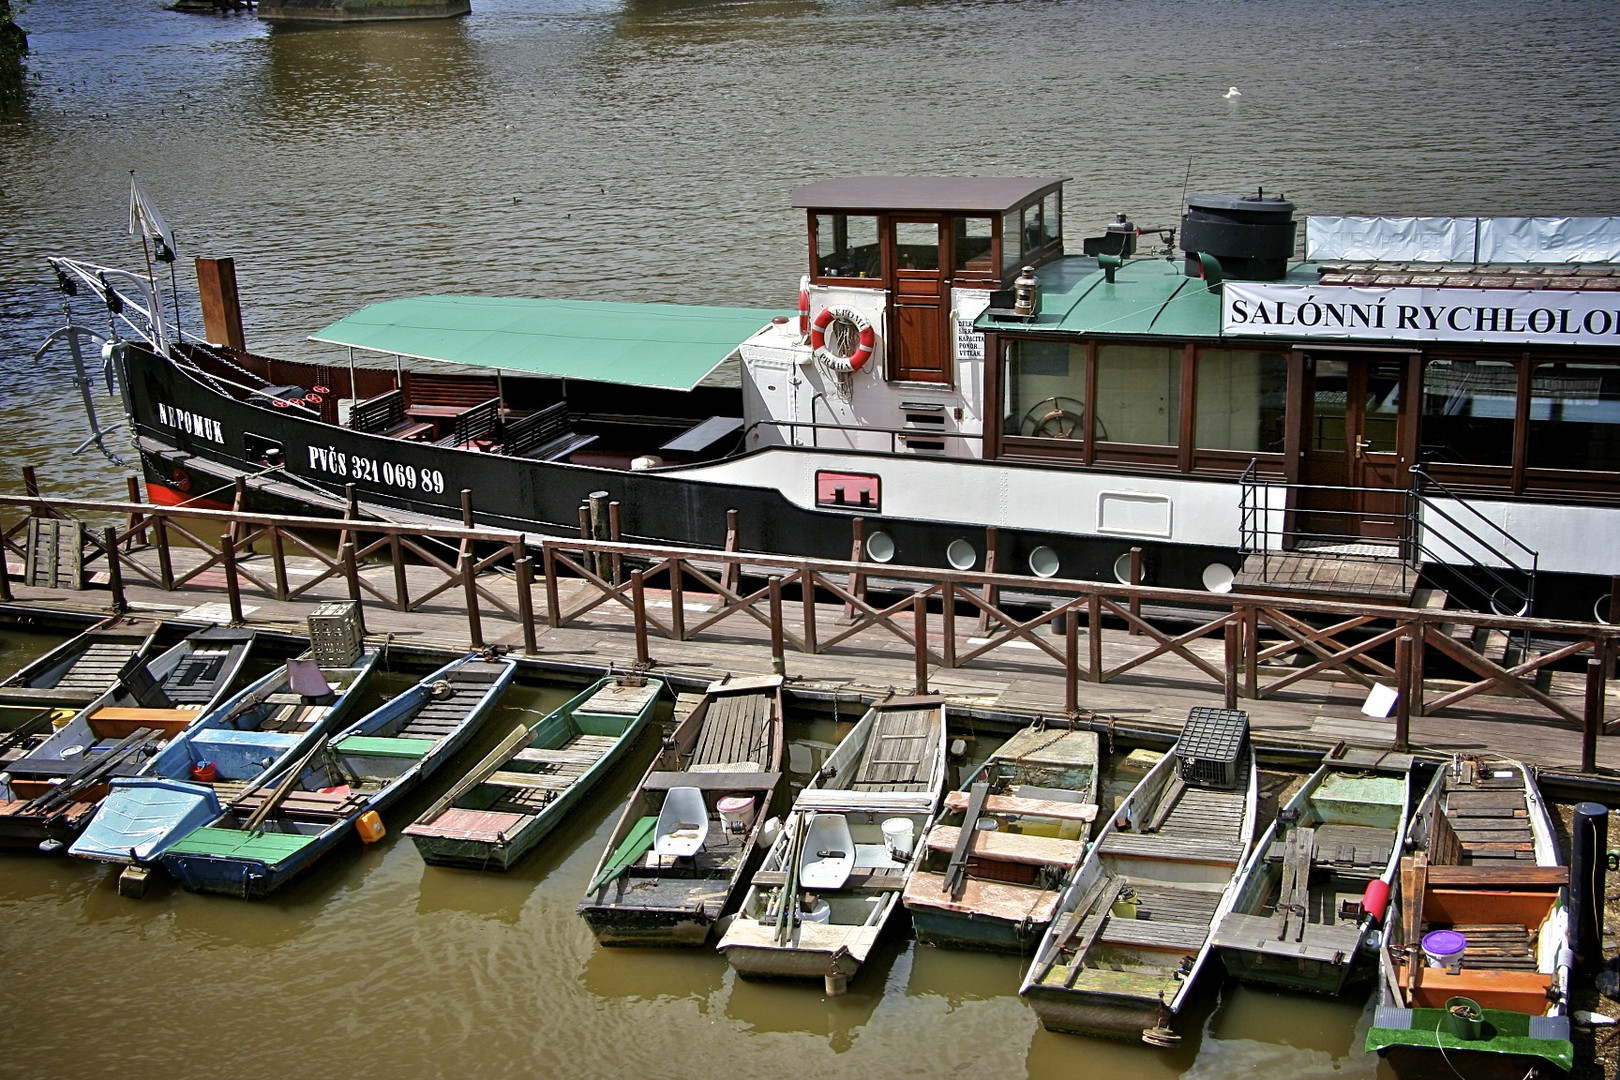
1475 968
55 787
533 780
1319 880
725 758
1005 846
800 918
68 678
1132 932
279 829
227 751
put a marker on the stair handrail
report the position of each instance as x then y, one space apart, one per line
1526 594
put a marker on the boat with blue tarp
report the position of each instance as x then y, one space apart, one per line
340 786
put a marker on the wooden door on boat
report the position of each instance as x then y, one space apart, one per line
1352 463
920 300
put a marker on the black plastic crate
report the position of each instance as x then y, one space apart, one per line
1211 747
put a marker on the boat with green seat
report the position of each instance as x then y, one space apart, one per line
532 781
280 827
254 733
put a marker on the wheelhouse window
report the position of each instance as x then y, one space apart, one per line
916 245
1575 417
1012 243
972 246
1138 395
1045 390
848 246
1468 410
1240 401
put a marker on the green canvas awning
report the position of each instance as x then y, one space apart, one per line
671 346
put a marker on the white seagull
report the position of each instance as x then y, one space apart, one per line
1232 92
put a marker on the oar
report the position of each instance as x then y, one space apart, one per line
790 884
636 844
271 801
508 746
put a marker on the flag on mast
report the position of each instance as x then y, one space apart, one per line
144 218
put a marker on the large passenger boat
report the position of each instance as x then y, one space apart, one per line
1419 401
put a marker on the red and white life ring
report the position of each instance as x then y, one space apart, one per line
864 339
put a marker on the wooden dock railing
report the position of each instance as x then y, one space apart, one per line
1265 644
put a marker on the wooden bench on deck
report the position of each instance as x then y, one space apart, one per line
474 425
385 415
544 435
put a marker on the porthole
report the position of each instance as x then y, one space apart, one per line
1601 610
1122 569
1506 601
960 554
880 547
1218 577
1043 562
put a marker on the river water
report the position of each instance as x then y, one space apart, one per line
647 150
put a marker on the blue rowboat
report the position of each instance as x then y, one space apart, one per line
268 836
226 752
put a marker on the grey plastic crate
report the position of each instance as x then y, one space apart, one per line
1211 747
335 634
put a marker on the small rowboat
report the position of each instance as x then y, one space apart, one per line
712 783
533 780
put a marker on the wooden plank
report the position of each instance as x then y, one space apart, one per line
956 870
870 882
1519 877
957 801
1021 848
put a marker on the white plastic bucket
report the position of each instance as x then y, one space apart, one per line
736 812
816 911
898 834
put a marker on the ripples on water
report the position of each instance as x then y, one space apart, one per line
647 151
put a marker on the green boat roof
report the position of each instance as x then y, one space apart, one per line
669 346
1147 298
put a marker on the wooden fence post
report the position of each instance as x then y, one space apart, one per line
947 622
136 524
469 588
115 572
1094 634
548 566
1232 639
991 593
523 566
351 574
807 595
677 599
1415 679
402 585
1071 660
239 506
1594 712
613 535
278 558
1251 651
1136 601
919 622
778 652
30 483
165 561
729 573
638 603
5 577
857 554
233 588
1403 692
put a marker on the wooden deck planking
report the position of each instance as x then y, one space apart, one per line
899 753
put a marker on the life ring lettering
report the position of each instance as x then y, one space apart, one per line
842 338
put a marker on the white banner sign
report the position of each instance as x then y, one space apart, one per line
1508 316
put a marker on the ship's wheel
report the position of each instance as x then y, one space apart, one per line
1055 418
